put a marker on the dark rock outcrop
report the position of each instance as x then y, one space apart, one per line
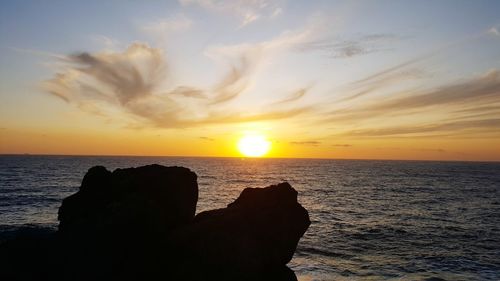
118 221
259 231
152 199
139 224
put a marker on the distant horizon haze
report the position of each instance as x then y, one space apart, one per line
242 157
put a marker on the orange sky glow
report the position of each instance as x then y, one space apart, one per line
334 79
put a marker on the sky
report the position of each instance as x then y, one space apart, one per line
318 79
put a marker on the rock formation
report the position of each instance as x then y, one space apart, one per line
256 233
154 199
139 224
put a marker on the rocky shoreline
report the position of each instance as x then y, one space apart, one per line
140 224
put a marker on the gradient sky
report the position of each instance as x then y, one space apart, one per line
319 79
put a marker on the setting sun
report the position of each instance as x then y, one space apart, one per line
254 145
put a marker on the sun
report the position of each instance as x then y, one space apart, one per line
254 145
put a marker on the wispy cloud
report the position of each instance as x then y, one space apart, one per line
234 82
409 69
472 93
485 88
246 11
107 42
128 83
36 52
176 23
365 87
277 12
246 58
189 92
342 145
347 48
297 95
471 125
311 143
439 150
494 30
468 108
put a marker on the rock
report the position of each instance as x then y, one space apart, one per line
78 210
29 254
151 199
116 224
259 231
139 224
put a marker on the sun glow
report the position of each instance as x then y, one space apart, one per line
254 145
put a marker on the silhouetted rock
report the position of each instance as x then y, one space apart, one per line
117 222
139 224
256 233
153 199
30 254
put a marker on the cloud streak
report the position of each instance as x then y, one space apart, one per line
246 59
494 31
342 145
168 25
482 125
311 143
233 83
348 48
485 88
467 108
246 11
472 93
189 92
297 95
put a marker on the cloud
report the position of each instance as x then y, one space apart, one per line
61 85
311 143
293 97
342 145
439 150
381 75
249 17
347 48
108 42
484 88
227 118
479 109
176 23
37 53
277 12
369 86
494 31
482 125
233 82
246 58
189 92
122 73
405 70
473 93
246 11
467 108
287 40
207 139
128 85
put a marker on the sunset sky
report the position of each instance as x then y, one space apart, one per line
318 79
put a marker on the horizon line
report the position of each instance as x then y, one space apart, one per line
244 157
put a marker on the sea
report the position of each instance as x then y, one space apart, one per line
371 219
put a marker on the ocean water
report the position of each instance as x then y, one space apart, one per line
371 220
